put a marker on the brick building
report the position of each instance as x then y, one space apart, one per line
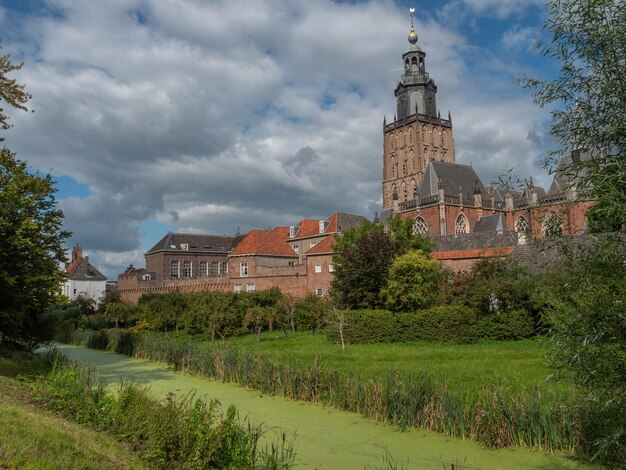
447 201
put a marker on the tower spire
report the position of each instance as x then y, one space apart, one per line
412 33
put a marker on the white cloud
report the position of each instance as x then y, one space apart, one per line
213 116
518 37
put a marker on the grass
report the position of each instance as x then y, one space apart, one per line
464 367
32 438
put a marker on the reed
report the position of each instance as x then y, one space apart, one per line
495 415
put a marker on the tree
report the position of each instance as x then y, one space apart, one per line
402 231
362 258
412 282
286 309
31 249
589 42
11 91
256 319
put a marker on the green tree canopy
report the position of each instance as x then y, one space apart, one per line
31 248
588 40
412 282
11 92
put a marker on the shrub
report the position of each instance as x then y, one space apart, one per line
455 323
98 340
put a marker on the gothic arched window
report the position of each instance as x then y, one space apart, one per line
424 133
420 226
443 138
521 225
393 167
410 135
404 191
461 225
413 189
552 225
404 165
394 192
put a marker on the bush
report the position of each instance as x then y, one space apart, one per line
98 340
455 323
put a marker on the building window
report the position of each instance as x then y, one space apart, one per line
184 246
174 273
521 225
296 248
319 291
552 225
293 231
312 244
225 267
420 226
237 288
331 268
243 269
461 226
187 269
203 269
215 268
318 268
250 287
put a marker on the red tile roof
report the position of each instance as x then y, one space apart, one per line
72 267
265 242
323 247
308 228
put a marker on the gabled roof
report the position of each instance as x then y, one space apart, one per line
565 177
340 222
491 223
265 242
82 270
307 228
195 242
324 247
455 178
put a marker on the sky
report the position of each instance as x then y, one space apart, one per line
212 116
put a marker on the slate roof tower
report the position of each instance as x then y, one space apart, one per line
417 134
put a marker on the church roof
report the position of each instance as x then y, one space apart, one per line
455 179
491 223
195 242
564 177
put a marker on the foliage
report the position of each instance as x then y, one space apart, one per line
455 323
589 42
186 433
362 258
497 414
588 313
31 248
11 91
412 282
402 231
501 285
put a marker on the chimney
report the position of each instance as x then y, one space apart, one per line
77 252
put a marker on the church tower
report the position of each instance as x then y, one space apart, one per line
417 134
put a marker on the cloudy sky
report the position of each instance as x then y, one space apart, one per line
209 115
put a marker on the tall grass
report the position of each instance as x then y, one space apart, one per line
184 433
494 415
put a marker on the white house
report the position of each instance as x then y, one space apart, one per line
83 278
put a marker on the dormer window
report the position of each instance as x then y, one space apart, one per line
184 246
293 231
324 225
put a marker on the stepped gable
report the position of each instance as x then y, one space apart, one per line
454 177
324 247
265 242
82 270
491 223
340 222
196 242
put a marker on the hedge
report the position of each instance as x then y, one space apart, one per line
453 323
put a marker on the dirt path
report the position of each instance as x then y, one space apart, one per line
326 438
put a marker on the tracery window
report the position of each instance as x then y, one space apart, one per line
420 226
552 225
521 225
461 226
